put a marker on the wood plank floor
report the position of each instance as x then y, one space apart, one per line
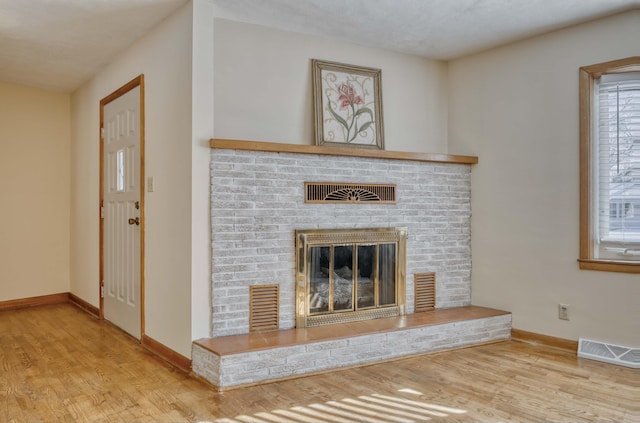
60 364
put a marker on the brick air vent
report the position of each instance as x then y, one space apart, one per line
425 291
332 192
263 307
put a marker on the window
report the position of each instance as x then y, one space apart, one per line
610 166
120 171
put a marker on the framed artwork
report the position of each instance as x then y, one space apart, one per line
348 105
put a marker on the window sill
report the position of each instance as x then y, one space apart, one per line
610 265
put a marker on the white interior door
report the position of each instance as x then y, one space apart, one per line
121 212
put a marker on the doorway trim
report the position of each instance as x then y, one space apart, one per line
135 82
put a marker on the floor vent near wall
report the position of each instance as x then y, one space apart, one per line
331 192
263 307
425 291
615 354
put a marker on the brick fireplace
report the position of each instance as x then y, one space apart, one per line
258 204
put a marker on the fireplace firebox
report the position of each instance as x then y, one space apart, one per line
345 275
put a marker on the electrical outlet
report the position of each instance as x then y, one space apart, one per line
150 181
563 311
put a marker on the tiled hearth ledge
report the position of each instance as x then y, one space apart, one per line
240 360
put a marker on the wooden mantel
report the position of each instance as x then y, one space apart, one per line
339 151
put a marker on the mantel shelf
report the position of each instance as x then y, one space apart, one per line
339 151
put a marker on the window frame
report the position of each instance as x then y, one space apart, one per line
588 75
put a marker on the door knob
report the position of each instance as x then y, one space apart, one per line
133 221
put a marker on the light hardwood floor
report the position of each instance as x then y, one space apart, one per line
60 364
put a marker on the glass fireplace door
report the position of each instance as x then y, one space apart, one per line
334 285
349 275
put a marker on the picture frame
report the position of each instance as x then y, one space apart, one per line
347 103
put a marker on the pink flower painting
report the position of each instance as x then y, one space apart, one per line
347 105
348 109
348 96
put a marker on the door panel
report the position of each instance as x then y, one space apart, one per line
121 212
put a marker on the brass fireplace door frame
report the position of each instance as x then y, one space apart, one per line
305 239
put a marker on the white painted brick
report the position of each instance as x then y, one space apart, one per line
281 352
326 346
237 361
327 364
239 378
433 201
288 370
206 364
263 365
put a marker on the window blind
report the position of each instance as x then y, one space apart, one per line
618 168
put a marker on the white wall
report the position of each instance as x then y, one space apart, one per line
263 88
164 56
516 107
202 132
34 192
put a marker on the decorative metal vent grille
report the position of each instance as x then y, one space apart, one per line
331 192
350 236
331 319
425 291
263 307
609 353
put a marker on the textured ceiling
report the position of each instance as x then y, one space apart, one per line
437 29
59 44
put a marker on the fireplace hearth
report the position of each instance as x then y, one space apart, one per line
258 202
346 275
